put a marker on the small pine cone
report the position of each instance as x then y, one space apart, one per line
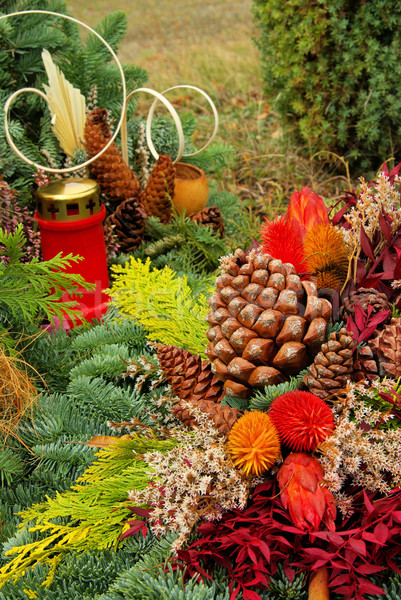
223 417
333 365
365 365
190 377
366 297
116 180
211 217
159 191
386 347
129 224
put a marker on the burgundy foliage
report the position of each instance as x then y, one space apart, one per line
379 262
364 325
251 543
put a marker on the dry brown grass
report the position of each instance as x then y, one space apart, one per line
18 395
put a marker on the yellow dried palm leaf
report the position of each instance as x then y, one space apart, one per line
67 107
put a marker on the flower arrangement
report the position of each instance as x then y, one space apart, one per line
276 444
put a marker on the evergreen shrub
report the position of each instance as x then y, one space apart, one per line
332 69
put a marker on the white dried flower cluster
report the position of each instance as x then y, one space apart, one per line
194 480
357 449
380 198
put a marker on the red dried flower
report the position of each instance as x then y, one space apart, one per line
302 420
281 239
307 209
308 501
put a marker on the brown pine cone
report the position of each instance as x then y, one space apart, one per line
333 365
116 180
386 347
156 197
365 364
366 297
266 324
129 224
223 417
190 377
211 217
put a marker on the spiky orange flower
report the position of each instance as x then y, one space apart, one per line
302 420
253 443
307 209
327 255
281 239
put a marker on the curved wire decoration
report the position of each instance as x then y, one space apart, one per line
122 123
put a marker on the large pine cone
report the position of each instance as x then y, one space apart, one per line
116 180
223 417
211 217
386 348
266 324
129 224
156 197
366 297
333 365
190 377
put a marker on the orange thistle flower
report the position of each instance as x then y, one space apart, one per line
303 492
307 209
281 239
253 443
327 255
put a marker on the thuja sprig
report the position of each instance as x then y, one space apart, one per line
35 289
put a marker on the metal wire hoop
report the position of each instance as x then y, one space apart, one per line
211 103
159 98
39 93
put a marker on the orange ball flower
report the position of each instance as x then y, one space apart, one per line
253 443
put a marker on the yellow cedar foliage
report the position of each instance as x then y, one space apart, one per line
163 303
97 508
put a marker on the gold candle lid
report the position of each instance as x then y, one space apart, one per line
68 199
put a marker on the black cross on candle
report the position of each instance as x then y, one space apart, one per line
53 210
91 205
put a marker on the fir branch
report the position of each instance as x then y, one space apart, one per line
164 245
263 400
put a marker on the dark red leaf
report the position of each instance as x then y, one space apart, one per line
394 171
360 316
385 227
367 587
369 569
369 282
381 532
366 245
358 545
397 269
138 526
250 595
389 260
339 580
369 506
264 548
252 555
141 512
